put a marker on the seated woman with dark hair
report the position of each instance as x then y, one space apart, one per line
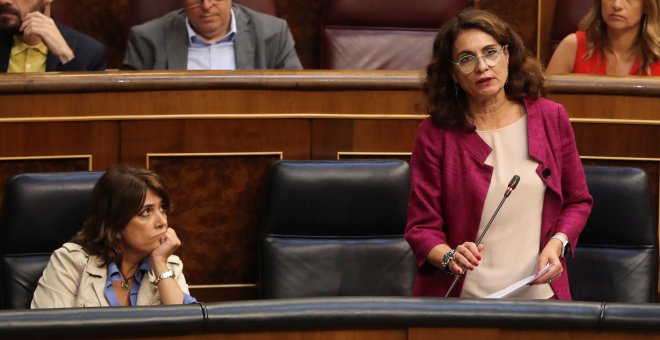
616 38
123 254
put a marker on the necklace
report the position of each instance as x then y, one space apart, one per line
124 281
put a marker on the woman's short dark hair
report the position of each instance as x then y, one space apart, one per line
446 101
117 197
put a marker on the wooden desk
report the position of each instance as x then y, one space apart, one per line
212 135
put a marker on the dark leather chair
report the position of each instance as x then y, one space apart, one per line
382 34
568 14
616 259
145 10
335 228
40 213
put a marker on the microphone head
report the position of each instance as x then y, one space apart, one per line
514 182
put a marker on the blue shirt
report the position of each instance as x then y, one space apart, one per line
218 55
114 275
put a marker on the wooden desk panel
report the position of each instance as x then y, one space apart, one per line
123 116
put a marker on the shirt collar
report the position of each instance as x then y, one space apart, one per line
20 46
113 272
196 39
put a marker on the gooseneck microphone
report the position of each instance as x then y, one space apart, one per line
513 183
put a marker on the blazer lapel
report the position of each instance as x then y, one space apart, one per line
98 275
176 44
148 293
244 42
539 148
476 146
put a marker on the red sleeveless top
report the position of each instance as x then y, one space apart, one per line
596 64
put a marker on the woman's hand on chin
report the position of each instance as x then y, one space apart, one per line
169 243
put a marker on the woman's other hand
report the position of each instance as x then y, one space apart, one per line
466 255
550 254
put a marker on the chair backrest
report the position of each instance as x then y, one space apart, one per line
142 11
335 228
382 34
40 213
616 259
568 14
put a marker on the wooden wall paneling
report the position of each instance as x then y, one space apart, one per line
522 15
55 138
351 155
216 204
330 136
130 104
545 18
513 333
602 106
304 19
336 334
617 140
141 137
391 135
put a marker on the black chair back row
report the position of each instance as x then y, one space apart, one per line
40 213
333 228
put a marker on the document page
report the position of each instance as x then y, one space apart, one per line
517 285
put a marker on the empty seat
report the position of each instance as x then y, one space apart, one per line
382 34
335 228
40 213
616 259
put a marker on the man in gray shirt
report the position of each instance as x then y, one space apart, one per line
211 35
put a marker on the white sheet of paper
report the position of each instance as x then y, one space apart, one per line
517 285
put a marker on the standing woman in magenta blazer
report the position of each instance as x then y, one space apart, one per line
487 123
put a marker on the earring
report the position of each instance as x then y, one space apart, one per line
456 91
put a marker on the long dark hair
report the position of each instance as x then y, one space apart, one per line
117 197
445 100
648 38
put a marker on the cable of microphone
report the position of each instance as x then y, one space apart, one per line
513 183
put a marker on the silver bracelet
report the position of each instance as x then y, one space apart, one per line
165 275
449 256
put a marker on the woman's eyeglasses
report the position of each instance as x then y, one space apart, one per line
469 63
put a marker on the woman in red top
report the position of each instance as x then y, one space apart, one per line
616 37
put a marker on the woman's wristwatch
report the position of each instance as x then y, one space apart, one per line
564 243
165 275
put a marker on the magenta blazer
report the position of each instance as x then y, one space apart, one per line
449 182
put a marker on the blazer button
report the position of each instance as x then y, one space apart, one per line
546 173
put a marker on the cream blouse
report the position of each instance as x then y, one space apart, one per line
511 245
